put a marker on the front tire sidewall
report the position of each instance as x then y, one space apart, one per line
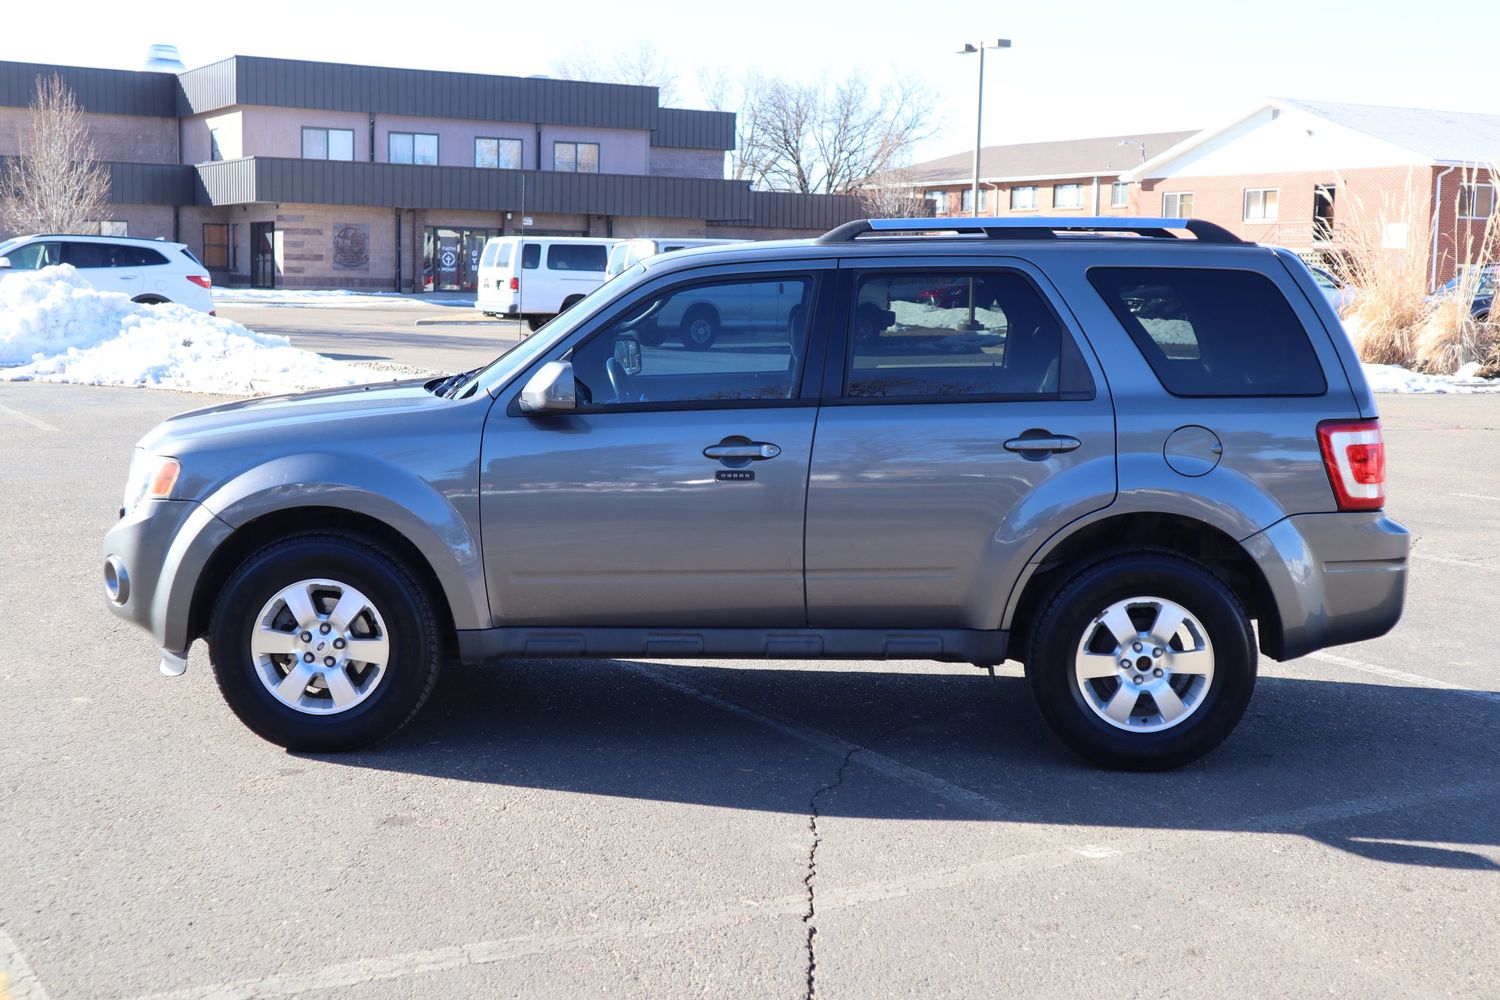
1050 665
410 670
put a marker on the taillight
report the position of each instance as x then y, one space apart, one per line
1354 455
515 284
201 280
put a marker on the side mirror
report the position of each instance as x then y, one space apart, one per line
550 390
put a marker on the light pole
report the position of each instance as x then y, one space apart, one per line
969 48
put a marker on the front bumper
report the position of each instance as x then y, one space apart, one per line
1334 578
162 547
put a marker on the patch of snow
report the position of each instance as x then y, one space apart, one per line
56 327
340 298
1393 378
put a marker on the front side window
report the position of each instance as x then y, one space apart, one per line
1067 196
1261 204
216 246
942 335
327 144
576 157
412 147
34 255
1212 331
1476 201
577 257
531 256
501 154
1023 198
1119 195
737 340
1177 205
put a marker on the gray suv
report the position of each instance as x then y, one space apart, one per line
1101 447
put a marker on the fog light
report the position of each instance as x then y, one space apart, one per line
116 580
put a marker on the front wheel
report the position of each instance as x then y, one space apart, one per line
324 642
1143 662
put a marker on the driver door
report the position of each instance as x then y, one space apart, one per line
674 495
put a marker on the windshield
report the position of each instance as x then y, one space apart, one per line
5 247
507 365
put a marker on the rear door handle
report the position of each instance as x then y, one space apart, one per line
1058 443
753 450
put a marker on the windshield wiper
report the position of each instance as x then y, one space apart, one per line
449 386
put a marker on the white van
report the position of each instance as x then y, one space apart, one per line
628 252
536 277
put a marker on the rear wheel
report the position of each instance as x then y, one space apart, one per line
1143 662
324 642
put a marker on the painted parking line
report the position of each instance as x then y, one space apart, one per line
1416 680
27 418
17 979
1454 561
1477 496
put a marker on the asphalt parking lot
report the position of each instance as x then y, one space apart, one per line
765 829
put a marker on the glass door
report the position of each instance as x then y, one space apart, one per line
263 239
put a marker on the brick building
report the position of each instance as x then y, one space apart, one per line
1057 178
301 174
1309 175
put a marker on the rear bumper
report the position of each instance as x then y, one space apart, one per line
1334 578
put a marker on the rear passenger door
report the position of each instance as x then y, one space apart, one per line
963 421
104 266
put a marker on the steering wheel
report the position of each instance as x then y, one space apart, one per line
619 382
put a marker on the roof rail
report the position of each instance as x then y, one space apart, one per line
1029 228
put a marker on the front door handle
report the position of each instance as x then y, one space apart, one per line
1056 443
753 450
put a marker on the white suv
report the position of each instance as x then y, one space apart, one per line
149 271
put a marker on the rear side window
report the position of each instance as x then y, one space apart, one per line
1213 332
139 257
90 255
576 257
952 335
502 255
487 259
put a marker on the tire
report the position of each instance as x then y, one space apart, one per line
150 300
570 302
700 328
385 600
535 323
1076 684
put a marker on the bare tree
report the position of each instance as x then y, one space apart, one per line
643 65
56 184
894 194
828 138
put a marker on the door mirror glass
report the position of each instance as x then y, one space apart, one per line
628 354
550 390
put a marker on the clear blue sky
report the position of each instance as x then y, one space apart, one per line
1083 68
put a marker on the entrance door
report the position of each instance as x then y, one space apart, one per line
964 398
263 239
1323 213
674 494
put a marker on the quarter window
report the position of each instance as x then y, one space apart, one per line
1213 332
576 157
1023 198
1067 196
327 144
742 340
1261 204
940 335
502 154
1177 205
412 147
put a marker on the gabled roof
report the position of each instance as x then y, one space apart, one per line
1104 156
1440 137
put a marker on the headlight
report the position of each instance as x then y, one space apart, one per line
152 477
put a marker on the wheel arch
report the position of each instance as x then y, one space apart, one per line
1068 552
151 300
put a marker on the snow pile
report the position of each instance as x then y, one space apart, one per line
342 298
1393 378
56 327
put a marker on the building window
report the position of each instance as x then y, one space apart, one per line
1177 205
114 227
1260 204
328 144
412 147
576 157
1023 199
1476 201
216 246
1119 195
213 145
504 154
939 201
1067 196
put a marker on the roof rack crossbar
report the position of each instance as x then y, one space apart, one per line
1030 228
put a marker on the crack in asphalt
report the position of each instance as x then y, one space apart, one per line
811 913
